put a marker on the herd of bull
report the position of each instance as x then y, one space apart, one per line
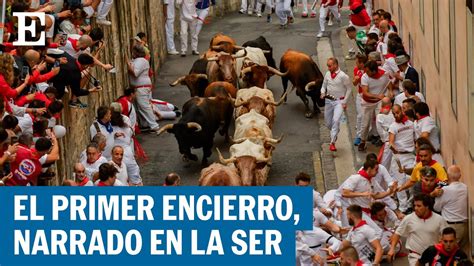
229 81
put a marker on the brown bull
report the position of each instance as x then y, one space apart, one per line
257 75
223 92
219 175
195 83
252 171
305 76
222 68
211 90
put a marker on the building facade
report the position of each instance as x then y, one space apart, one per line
438 35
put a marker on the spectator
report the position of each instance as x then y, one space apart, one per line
169 12
446 252
409 91
376 20
107 175
361 59
383 121
80 176
425 126
103 125
6 80
421 228
117 157
75 23
172 180
93 161
428 184
100 140
408 104
388 17
139 79
128 109
407 71
27 165
451 203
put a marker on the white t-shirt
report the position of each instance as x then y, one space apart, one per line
122 175
70 46
319 218
402 97
421 233
317 239
404 136
92 168
358 183
390 66
340 86
25 123
428 124
140 68
361 239
383 124
117 183
376 86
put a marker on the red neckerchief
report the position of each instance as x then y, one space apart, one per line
385 109
83 182
359 263
426 217
79 65
389 55
404 119
423 116
364 174
439 247
74 44
417 158
425 190
334 74
102 184
360 224
380 73
432 162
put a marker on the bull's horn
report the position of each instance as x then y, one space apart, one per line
214 58
264 160
277 72
200 76
282 99
274 141
312 83
245 71
222 160
165 128
240 103
240 56
178 81
216 47
237 141
266 51
194 125
237 47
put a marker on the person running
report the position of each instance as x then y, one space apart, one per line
326 7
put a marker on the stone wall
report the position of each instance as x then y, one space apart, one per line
128 18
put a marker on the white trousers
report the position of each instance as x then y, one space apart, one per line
144 108
359 116
166 111
247 4
104 8
386 156
413 259
185 25
323 12
283 10
369 112
202 14
407 161
133 170
305 6
368 7
332 115
170 26
268 6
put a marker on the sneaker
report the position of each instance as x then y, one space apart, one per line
183 54
174 52
320 34
361 146
250 13
195 52
330 23
259 15
357 141
313 15
304 15
104 22
241 11
332 147
284 26
269 18
350 56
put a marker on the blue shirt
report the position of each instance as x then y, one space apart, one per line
203 4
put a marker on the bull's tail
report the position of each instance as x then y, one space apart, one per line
284 79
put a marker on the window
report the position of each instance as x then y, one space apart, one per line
452 39
436 33
400 21
422 15
470 76
423 83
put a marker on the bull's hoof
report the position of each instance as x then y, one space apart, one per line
309 114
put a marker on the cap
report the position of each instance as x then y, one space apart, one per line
401 59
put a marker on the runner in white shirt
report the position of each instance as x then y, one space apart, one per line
374 86
117 157
302 250
362 237
93 160
425 126
317 239
386 220
383 182
402 144
452 204
422 229
384 120
336 83
409 91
